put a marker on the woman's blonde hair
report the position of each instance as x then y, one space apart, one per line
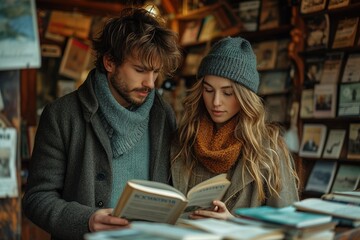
261 161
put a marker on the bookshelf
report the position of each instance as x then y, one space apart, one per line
346 106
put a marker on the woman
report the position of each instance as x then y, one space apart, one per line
224 130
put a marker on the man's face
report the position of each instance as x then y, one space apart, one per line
131 82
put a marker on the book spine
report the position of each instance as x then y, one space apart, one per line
342 201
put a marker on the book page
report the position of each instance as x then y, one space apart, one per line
202 195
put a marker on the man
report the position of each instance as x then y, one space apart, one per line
115 127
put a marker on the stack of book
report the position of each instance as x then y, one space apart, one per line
347 197
295 224
346 214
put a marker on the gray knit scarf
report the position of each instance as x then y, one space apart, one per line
124 127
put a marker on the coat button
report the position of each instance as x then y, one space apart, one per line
100 177
100 204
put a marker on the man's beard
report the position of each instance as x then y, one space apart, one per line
122 90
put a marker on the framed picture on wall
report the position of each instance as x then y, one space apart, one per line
19 42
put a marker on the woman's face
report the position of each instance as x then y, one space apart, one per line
219 98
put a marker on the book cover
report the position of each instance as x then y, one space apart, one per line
210 28
325 99
69 24
345 34
276 108
349 99
334 143
317 32
269 15
333 4
310 6
307 103
313 139
266 53
354 141
351 69
347 178
191 31
75 59
286 216
321 177
347 197
283 60
340 210
273 82
192 61
332 67
248 13
230 230
173 231
159 202
313 71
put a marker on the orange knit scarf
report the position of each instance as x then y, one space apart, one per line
217 150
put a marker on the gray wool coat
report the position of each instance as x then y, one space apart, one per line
70 171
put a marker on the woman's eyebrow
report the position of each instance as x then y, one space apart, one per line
223 87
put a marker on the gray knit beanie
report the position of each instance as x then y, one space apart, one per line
232 58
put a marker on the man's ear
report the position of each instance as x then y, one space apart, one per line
108 64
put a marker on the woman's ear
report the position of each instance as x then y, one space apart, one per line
108 64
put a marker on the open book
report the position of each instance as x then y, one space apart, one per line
159 202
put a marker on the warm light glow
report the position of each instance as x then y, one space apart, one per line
153 9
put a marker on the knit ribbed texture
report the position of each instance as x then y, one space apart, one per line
232 58
123 126
129 136
217 150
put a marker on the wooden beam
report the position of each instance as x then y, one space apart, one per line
88 7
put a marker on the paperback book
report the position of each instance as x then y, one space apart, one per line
325 99
266 54
317 32
230 230
286 216
349 99
347 178
307 103
351 69
346 32
332 68
342 212
313 71
334 143
269 15
347 197
313 139
159 202
310 6
249 12
321 177
273 82
354 141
